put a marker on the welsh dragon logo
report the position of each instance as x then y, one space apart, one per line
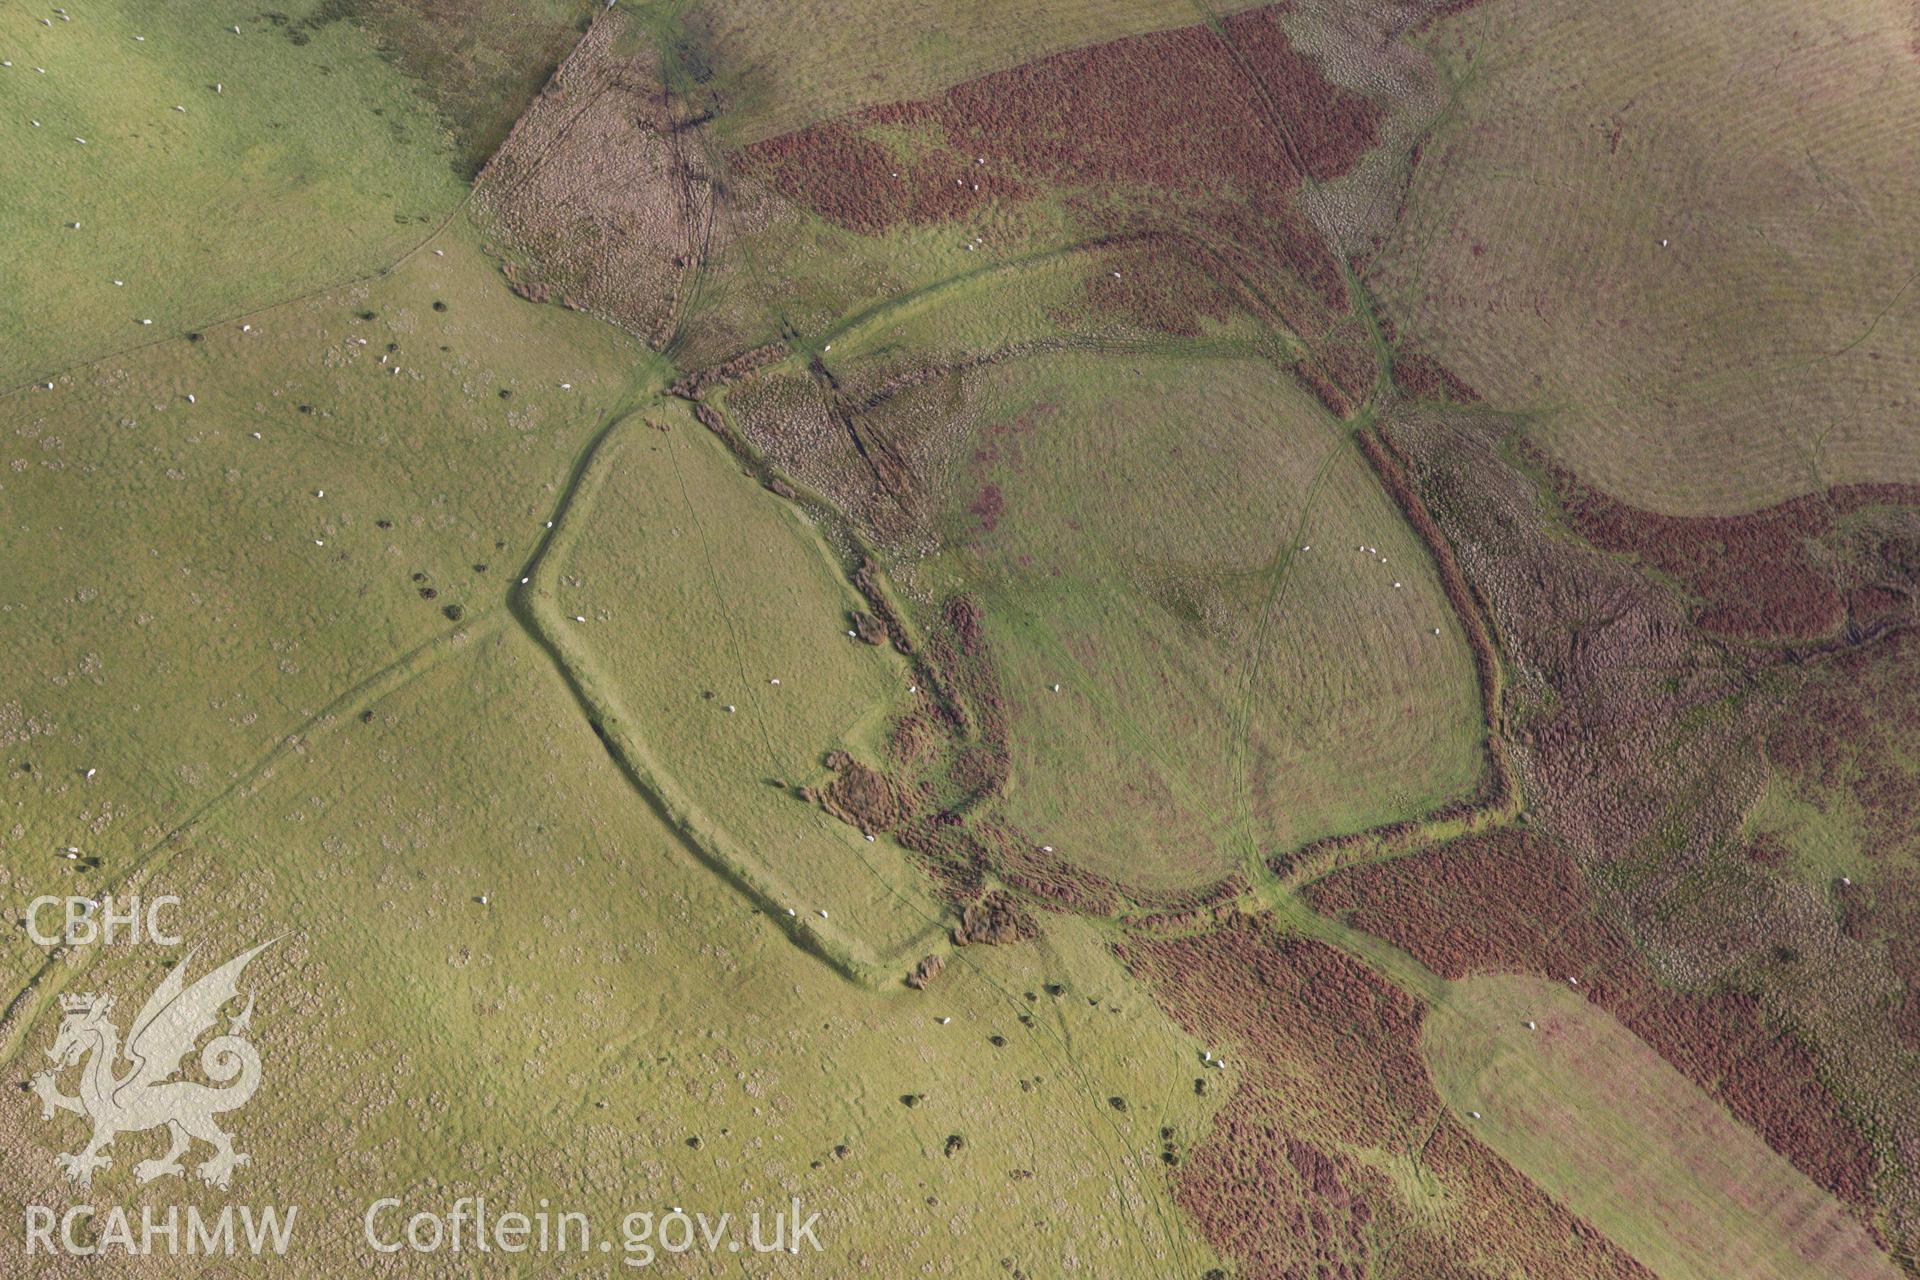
142 1095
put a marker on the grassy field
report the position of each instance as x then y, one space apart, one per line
1592 1115
1705 298
480 62
367 604
1823 833
616 1029
226 535
1007 300
978 168
716 621
1177 545
787 272
309 709
220 172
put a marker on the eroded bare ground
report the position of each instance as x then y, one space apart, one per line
1648 679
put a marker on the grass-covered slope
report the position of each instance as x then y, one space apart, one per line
220 172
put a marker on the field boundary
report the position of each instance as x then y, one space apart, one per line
52 976
532 606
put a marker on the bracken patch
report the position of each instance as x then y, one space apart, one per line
1512 903
1643 745
1852 731
1185 146
1757 576
1327 1057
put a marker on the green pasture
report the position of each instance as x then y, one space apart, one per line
1177 545
220 172
200 578
616 1029
713 615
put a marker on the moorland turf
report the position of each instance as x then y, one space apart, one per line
1108 640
